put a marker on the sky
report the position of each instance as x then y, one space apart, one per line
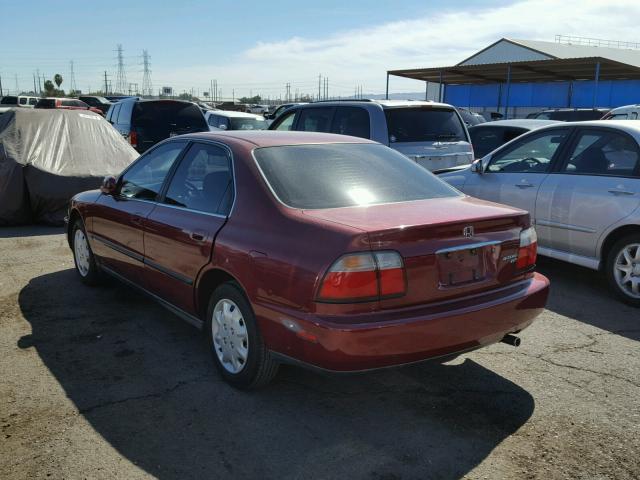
257 47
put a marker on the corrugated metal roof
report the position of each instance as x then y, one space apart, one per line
565 50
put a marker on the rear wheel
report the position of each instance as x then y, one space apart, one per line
623 269
235 341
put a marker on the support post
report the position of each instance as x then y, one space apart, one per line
387 94
595 86
506 100
440 88
426 90
570 96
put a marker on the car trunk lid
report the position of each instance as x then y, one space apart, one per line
450 247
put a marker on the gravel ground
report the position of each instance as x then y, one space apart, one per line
103 383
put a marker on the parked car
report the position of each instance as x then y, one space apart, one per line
628 112
100 103
470 118
227 120
117 98
570 114
218 228
279 110
260 109
66 104
17 101
581 184
431 134
488 136
146 122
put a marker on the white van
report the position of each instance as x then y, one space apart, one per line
628 112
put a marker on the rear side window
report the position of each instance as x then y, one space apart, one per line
9 100
603 153
46 103
315 120
345 175
33 101
166 118
115 113
424 124
351 121
23 101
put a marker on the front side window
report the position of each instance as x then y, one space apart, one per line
530 155
202 181
603 153
287 122
145 177
33 101
346 175
315 120
23 101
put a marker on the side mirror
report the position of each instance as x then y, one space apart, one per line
222 126
109 185
476 167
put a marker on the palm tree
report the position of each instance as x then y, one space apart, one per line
58 79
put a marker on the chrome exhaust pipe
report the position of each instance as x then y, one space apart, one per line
511 340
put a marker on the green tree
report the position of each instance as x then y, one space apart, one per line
254 99
49 88
58 79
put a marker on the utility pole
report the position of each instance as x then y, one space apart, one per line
319 82
17 87
106 85
34 84
0 85
72 82
121 78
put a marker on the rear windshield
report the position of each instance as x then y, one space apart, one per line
424 124
345 175
176 117
238 123
9 101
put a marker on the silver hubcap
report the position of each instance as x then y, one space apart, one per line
230 337
81 251
627 270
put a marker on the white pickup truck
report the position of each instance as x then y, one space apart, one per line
13 101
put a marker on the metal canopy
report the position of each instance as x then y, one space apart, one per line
557 69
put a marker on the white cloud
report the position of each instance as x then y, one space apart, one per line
362 56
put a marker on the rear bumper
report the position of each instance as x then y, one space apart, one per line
403 336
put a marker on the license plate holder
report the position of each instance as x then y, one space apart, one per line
459 267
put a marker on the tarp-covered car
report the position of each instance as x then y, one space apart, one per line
47 156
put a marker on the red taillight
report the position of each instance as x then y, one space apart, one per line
528 248
133 138
364 276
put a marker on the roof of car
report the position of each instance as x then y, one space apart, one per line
231 113
272 138
630 126
384 103
528 123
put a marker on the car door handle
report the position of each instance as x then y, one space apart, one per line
621 192
525 185
198 235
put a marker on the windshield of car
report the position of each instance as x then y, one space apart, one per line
240 123
422 124
487 139
345 175
9 100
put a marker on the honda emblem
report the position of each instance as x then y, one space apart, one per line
467 231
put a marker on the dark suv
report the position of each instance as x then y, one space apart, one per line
100 103
146 122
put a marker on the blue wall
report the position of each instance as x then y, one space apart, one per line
611 93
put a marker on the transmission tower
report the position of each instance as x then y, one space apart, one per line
72 77
147 86
121 78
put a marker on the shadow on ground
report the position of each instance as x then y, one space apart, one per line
29 231
145 382
583 294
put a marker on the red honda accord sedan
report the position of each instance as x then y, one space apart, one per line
323 250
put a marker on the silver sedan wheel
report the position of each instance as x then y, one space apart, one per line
230 336
627 270
81 252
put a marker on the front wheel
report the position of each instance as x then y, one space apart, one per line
83 256
623 269
235 341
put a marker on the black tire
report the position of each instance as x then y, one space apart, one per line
260 367
92 276
610 267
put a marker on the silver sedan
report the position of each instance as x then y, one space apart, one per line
581 184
